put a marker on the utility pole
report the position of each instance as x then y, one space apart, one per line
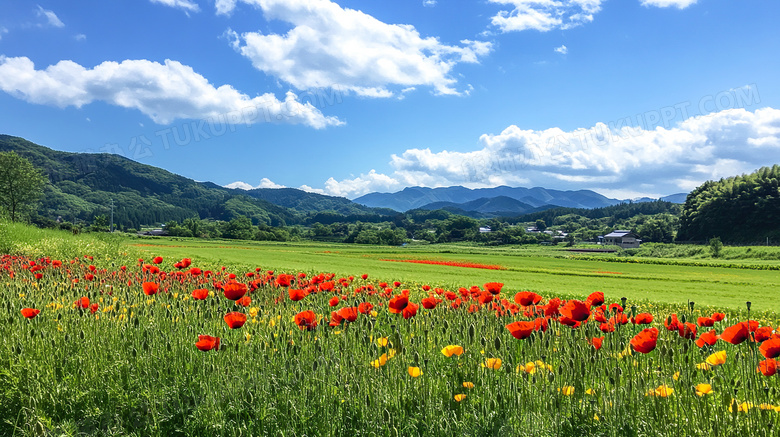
111 227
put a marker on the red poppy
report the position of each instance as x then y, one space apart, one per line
157 260
687 330
520 330
736 334
763 333
494 287
575 310
397 304
234 290
615 308
306 320
93 308
540 324
150 288
607 327
595 299
708 338
333 301
643 319
429 302
349 314
296 294
770 348
768 367
596 342
82 303
410 310
207 343
396 284
718 316
645 341
244 301
30 312
38 276
485 298
527 298
200 294
284 280
195 271
671 323
364 276
365 307
235 319
705 321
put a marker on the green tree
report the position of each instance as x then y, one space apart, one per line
20 183
716 247
541 226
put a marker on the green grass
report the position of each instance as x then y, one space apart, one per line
528 268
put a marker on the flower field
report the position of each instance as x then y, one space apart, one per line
164 347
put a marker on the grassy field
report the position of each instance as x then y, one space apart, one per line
543 270
96 343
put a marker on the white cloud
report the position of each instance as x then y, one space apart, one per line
186 5
3 30
429 3
225 7
264 183
80 37
544 15
51 18
630 160
331 46
679 4
163 92
562 50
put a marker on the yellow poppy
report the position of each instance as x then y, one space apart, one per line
414 372
492 363
703 389
452 350
566 390
468 384
460 397
716 359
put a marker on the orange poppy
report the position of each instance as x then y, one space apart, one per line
235 319
93 308
349 314
645 341
82 303
576 310
687 330
333 301
306 320
234 290
736 334
207 343
284 280
705 321
763 333
718 316
770 348
671 323
30 313
200 294
520 330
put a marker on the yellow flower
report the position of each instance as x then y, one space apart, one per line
390 353
662 391
373 313
452 350
566 390
590 392
253 311
676 376
381 341
703 366
414 372
716 359
703 389
248 336
767 407
460 397
468 384
742 408
492 363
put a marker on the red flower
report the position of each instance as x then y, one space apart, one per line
410 310
520 330
527 298
235 319
200 294
645 341
596 342
643 319
763 333
297 294
306 320
540 324
93 308
150 288
157 260
397 304
207 343
671 323
687 330
365 307
708 338
770 348
576 310
429 302
736 334
234 290
607 327
333 301
364 276
768 367
284 280
718 316
595 299
485 297
244 301
705 321
349 314
82 303
30 313
494 287
396 284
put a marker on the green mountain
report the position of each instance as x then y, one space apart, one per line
739 209
83 185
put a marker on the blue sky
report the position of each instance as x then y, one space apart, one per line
627 98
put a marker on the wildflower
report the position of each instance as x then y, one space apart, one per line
150 288
235 320
414 372
527 298
645 341
566 390
365 307
380 362
596 342
460 397
575 310
492 363
703 389
736 334
662 391
30 313
297 294
451 350
768 367
708 338
234 290
306 320
207 343
468 384
520 330
770 348
643 319
595 299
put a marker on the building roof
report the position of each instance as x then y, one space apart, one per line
619 234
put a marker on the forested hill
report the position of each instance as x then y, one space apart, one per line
740 209
82 186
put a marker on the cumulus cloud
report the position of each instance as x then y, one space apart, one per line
186 5
544 15
627 160
163 92
679 4
429 3
562 50
264 183
50 17
331 46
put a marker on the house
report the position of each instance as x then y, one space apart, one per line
622 238
485 230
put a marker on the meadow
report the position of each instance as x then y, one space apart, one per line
117 336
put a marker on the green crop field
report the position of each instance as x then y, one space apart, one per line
215 338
